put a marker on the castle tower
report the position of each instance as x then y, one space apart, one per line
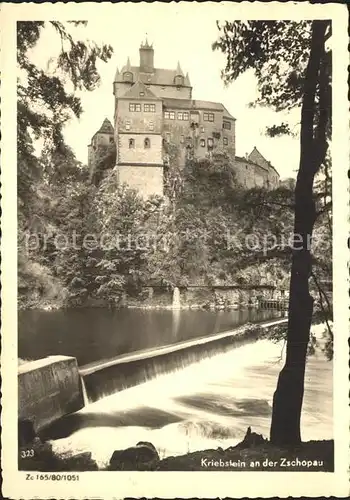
146 58
153 110
101 141
138 125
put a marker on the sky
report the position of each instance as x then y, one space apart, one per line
176 35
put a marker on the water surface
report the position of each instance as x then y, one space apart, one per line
208 404
94 334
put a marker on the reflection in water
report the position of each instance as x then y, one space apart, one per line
176 322
205 405
93 334
176 299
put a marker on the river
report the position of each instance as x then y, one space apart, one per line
94 334
205 405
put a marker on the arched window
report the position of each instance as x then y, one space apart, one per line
127 76
131 143
147 143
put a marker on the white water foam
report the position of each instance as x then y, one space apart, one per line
205 405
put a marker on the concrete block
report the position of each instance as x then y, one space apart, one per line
48 389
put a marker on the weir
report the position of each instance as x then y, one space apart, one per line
109 376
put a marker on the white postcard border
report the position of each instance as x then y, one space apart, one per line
175 484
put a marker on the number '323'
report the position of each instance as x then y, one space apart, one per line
27 453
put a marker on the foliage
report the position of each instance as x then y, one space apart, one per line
49 177
44 104
278 66
293 68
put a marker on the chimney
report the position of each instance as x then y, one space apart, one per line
146 57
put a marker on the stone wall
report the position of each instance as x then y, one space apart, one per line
179 132
100 144
250 175
148 180
138 121
272 176
139 153
48 389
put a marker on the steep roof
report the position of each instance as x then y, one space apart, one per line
262 158
257 152
106 127
240 159
196 104
158 76
138 90
179 70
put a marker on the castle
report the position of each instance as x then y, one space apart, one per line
154 107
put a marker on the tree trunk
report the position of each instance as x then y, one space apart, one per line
288 397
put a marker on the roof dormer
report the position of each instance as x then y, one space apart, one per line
127 74
179 76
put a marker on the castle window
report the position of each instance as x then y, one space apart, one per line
151 125
182 115
142 94
226 125
127 125
202 143
149 108
169 115
167 137
134 107
147 143
208 117
182 139
202 129
131 143
210 142
111 140
225 141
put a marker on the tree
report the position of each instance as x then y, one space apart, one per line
293 68
49 177
44 105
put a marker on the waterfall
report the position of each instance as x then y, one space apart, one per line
117 374
176 298
83 389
